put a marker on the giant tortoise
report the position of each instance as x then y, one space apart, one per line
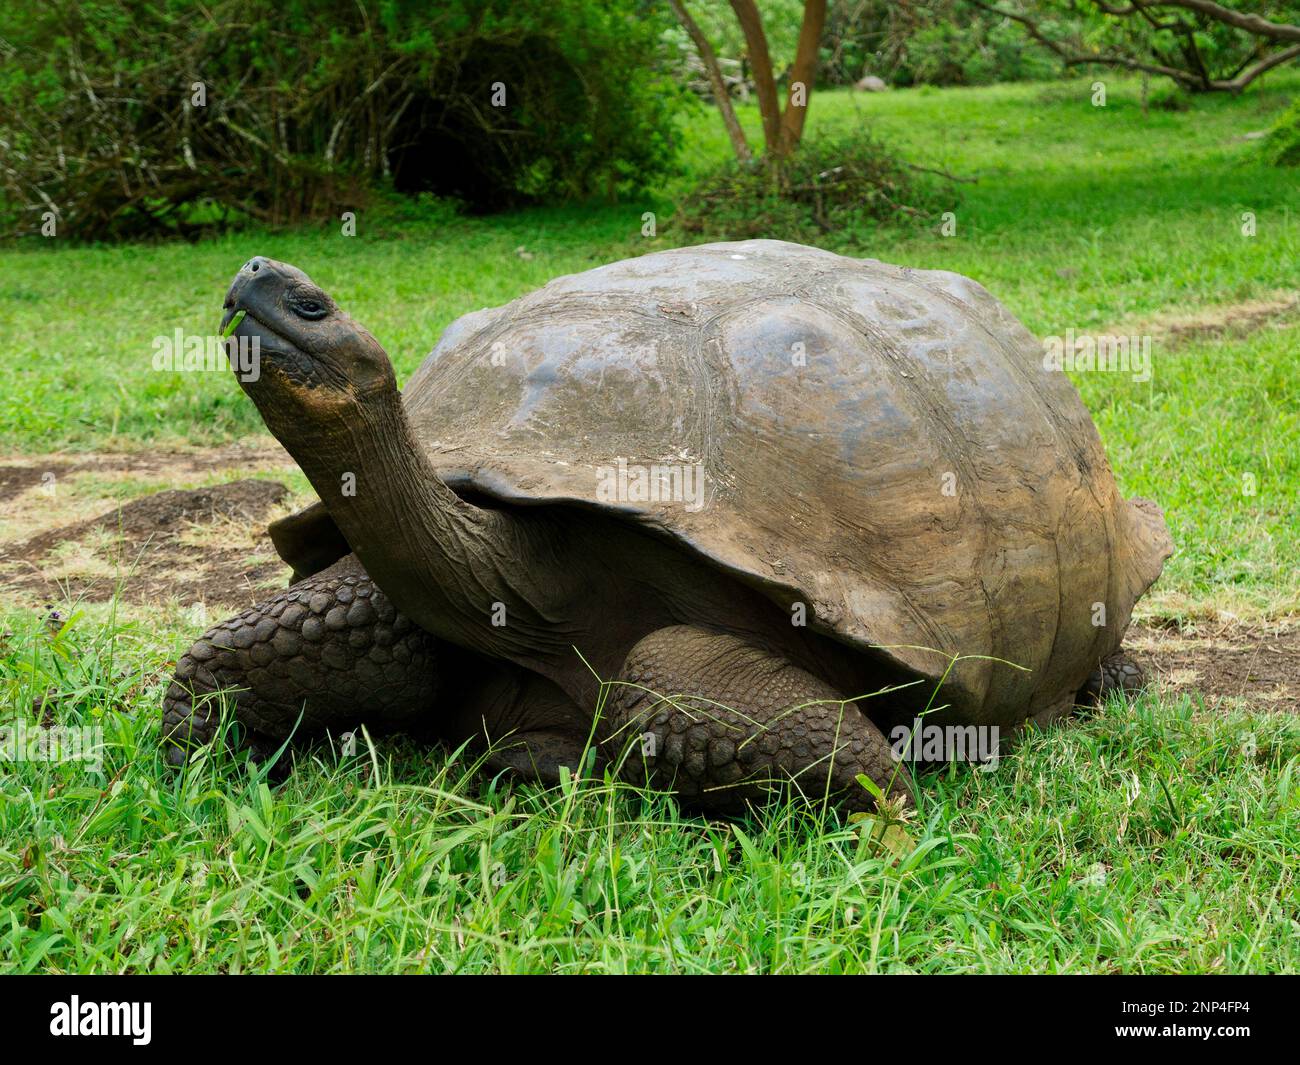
725 516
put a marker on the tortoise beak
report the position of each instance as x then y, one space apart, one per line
248 273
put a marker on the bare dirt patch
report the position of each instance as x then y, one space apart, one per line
146 551
16 479
1235 320
204 545
1253 666
39 492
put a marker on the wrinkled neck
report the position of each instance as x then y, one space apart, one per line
458 571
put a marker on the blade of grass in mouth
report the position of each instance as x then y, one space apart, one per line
234 324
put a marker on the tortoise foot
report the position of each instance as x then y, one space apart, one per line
725 724
328 653
1117 674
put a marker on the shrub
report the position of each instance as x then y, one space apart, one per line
1283 143
126 118
829 186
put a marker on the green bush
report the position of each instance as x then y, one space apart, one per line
1283 143
830 189
305 106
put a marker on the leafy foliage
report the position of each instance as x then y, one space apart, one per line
1201 50
954 44
122 117
933 42
1284 140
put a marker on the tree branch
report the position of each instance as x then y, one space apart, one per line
1255 25
1197 78
720 95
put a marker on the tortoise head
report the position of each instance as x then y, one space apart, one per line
299 357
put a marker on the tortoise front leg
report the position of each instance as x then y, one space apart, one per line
328 653
722 722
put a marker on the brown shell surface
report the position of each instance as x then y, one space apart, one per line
882 444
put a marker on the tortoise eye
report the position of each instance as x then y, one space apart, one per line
306 307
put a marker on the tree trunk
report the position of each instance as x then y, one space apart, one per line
803 73
720 94
751 24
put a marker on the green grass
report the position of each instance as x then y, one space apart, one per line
1159 838
1147 839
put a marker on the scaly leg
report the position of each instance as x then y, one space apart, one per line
722 721
331 650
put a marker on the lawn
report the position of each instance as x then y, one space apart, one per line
1154 838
